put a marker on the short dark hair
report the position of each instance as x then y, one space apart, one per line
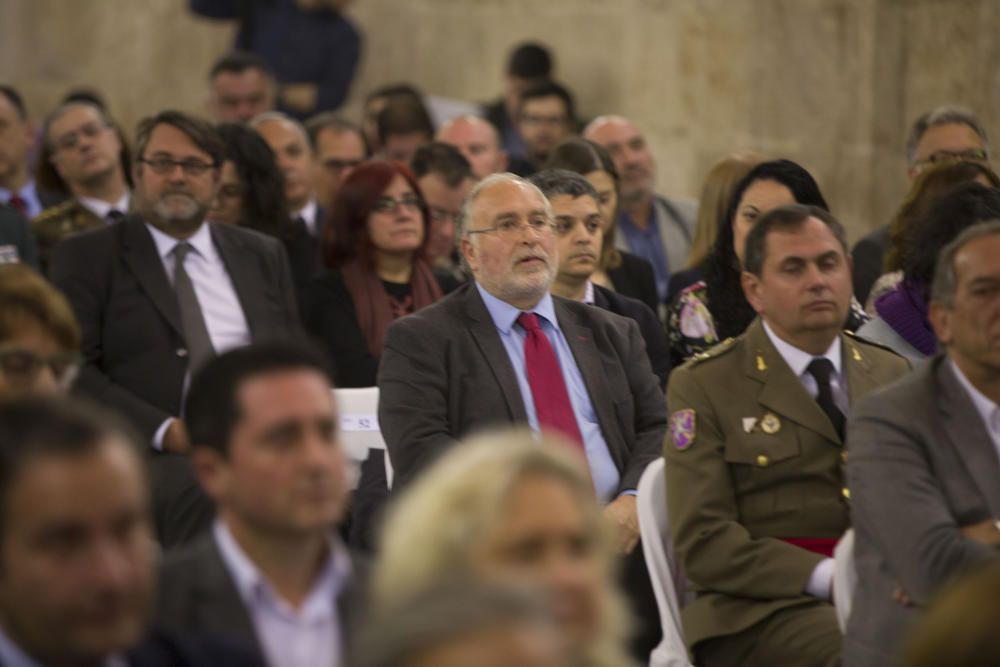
789 217
36 427
962 206
329 120
87 95
392 90
583 157
199 131
15 100
212 408
404 115
551 89
530 60
237 62
444 160
555 182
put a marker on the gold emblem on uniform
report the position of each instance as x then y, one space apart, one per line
770 423
761 365
857 355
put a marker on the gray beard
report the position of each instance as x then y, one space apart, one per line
177 221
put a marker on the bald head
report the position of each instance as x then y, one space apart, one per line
478 141
293 154
629 152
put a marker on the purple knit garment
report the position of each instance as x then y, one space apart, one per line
905 311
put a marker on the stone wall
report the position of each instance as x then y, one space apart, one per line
830 83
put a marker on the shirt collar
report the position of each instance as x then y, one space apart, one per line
308 214
11 655
505 315
588 293
27 191
201 241
986 408
251 584
799 360
101 208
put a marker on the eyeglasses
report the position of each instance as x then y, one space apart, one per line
564 226
166 165
969 155
390 205
71 140
441 215
511 229
22 367
340 165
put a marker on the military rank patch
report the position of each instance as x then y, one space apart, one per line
682 428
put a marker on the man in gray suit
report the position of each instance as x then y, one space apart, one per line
923 465
503 350
271 573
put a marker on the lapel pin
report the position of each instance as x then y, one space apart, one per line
770 423
856 354
761 366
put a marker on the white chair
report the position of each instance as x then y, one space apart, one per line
359 427
664 571
845 577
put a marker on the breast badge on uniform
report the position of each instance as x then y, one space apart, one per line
770 423
682 428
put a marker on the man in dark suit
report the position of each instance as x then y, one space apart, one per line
923 465
159 293
267 450
502 349
77 568
579 236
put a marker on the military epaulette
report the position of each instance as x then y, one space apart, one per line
712 352
60 209
866 341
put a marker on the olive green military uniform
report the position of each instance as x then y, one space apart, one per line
752 459
61 221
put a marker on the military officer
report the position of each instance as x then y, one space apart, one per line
754 454
83 154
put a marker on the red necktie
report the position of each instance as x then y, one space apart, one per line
19 203
545 378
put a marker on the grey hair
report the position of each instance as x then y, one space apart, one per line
493 179
945 115
279 116
943 286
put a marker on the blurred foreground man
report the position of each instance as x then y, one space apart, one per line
77 578
755 487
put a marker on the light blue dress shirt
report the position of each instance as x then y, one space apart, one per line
30 196
603 470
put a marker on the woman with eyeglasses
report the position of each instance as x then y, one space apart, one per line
373 246
39 336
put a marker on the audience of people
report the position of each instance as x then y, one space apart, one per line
178 484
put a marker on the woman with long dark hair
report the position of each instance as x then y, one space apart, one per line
715 309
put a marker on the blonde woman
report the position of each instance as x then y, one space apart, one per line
506 507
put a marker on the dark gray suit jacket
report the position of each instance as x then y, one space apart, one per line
133 342
197 594
445 374
921 465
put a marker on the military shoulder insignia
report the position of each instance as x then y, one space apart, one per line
682 428
713 351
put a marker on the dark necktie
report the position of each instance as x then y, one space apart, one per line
545 378
195 330
20 204
114 215
821 369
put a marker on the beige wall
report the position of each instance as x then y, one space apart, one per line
830 83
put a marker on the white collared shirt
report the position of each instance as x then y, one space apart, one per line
821 580
588 294
308 214
101 208
986 408
799 360
309 636
11 655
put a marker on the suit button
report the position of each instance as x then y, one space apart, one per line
762 461
843 457
846 492
182 352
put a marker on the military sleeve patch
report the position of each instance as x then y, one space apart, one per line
682 428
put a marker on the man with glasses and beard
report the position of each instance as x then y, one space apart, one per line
162 292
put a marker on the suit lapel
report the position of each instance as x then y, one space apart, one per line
860 380
217 599
964 426
484 332
244 272
140 254
782 392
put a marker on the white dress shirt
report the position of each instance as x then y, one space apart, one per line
224 317
986 408
11 655
101 208
821 579
309 636
308 214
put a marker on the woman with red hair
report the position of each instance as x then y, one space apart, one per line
373 247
